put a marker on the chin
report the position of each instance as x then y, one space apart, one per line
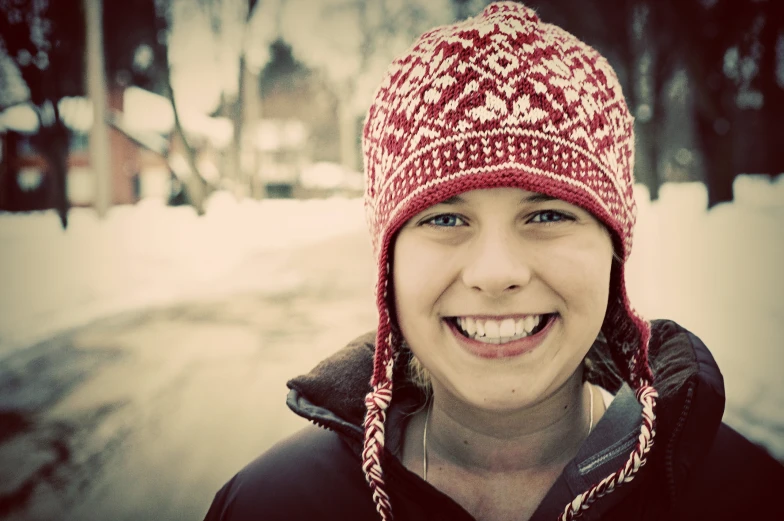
492 395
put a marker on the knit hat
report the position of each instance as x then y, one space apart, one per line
502 100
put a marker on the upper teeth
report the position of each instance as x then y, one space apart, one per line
498 331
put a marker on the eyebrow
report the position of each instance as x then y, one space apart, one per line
533 198
538 198
455 199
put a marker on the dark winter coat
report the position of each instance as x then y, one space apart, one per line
698 468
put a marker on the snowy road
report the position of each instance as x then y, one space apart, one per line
144 415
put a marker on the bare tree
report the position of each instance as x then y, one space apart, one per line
195 185
230 26
46 38
96 87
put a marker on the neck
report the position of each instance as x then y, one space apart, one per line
543 436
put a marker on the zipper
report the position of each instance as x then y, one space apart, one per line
670 453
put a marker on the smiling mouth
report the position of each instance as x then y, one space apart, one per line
500 331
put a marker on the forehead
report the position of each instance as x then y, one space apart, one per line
523 196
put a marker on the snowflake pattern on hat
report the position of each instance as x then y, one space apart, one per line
500 90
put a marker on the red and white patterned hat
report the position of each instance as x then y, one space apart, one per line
502 100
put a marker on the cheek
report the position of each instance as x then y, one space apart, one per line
415 275
581 271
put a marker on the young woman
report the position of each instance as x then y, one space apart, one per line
510 377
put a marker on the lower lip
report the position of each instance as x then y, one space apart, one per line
507 350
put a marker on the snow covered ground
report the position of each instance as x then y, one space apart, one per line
718 272
148 254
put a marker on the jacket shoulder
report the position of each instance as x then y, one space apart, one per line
312 474
737 479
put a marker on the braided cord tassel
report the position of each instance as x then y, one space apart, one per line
647 396
377 402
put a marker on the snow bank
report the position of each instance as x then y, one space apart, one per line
149 254
720 274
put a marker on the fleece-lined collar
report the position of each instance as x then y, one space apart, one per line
689 413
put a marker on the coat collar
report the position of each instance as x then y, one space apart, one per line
689 411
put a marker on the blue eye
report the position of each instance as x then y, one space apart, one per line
446 220
549 216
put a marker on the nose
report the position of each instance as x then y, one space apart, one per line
497 265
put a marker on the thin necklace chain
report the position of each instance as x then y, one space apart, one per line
427 420
424 440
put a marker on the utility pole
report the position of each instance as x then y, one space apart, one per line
96 88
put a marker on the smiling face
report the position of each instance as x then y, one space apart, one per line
500 293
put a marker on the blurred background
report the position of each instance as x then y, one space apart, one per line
182 231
